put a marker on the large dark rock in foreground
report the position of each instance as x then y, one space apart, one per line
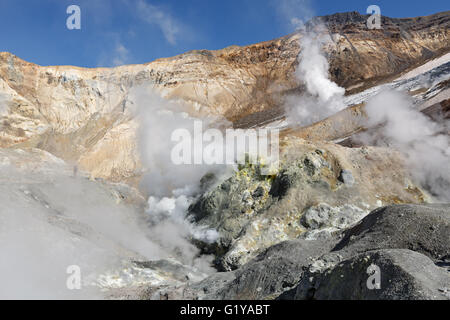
421 228
408 244
268 275
404 275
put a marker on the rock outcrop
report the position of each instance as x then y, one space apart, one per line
389 238
81 114
70 165
424 229
268 275
405 275
319 189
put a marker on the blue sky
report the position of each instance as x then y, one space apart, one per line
115 32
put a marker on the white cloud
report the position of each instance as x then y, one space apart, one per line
152 14
422 141
121 55
294 13
115 53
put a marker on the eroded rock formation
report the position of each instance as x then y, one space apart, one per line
81 114
74 132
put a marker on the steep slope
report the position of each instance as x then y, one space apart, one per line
429 90
57 120
320 188
52 218
80 114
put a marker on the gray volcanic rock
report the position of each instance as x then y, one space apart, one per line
409 243
143 280
421 228
271 273
253 212
337 267
322 216
59 119
208 289
404 275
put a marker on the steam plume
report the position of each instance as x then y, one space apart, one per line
424 142
323 97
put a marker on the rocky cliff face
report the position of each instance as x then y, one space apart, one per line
320 188
63 127
80 114
408 243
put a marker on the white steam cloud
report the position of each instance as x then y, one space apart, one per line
323 97
153 14
295 12
424 142
171 188
50 221
313 70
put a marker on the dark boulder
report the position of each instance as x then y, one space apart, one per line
421 228
271 273
403 275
